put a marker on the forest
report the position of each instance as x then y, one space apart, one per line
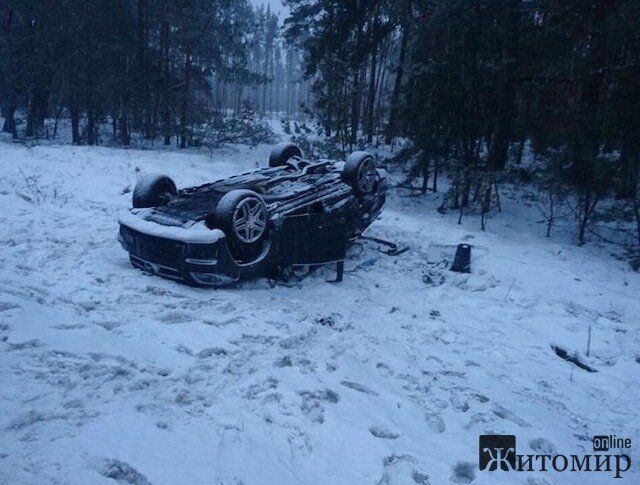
477 84
150 69
346 242
539 92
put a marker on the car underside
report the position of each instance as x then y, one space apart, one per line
260 223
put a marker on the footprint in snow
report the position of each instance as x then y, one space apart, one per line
6 306
383 433
464 472
504 413
175 317
536 481
158 291
479 418
294 341
211 351
122 472
27 344
401 470
312 403
458 402
384 369
542 446
109 325
224 322
225 308
256 390
183 349
30 418
435 422
69 326
359 387
239 367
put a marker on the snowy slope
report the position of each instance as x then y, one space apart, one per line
389 377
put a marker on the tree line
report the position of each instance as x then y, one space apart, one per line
482 89
478 85
153 68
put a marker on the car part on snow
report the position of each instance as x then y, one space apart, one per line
153 190
339 272
283 152
394 249
360 172
462 260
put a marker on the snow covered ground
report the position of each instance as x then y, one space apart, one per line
390 377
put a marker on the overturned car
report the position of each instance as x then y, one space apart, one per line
261 223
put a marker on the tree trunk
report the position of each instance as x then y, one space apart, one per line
508 21
37 110
58 112
75 124
425 174
586 137
166 110
629 163
372 95
436 167
9 125
327 122
466 190
91 127
143 112
636 210
185 97
355 108
584 216
125 134
392 129
31 114
486 203
523 130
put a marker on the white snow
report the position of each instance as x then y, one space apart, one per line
196 233
388 377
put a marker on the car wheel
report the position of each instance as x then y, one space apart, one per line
242 216
360 172
283 152
153 190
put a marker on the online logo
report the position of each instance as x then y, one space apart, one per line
605 443
497 452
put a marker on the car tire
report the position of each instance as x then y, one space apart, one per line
242 215
153 190
360 172
283 152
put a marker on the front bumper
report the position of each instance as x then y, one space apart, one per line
198 263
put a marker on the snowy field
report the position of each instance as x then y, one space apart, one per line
390 377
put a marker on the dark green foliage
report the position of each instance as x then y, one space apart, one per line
481 87
221 130
150 68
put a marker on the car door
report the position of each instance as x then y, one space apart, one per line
315 236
